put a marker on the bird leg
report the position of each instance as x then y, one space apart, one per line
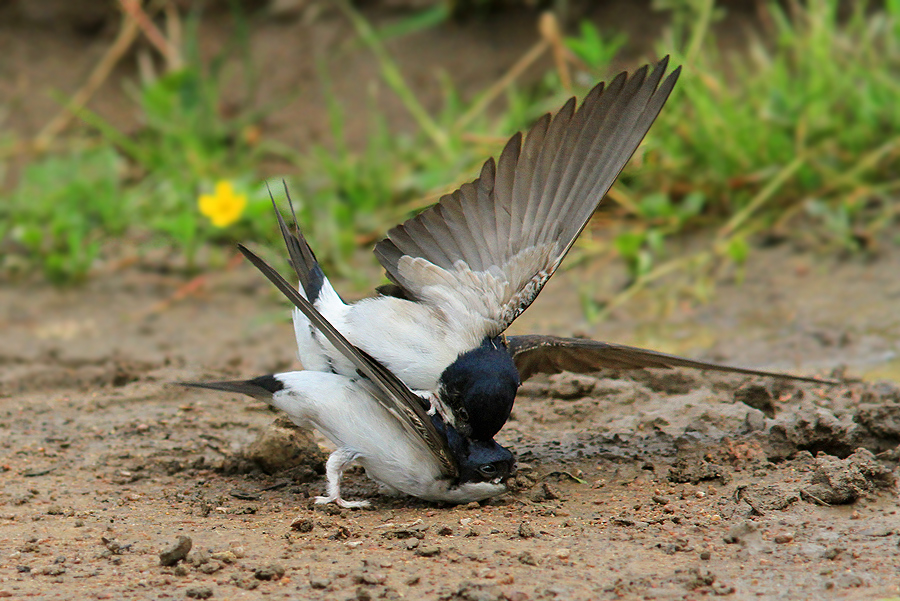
337 462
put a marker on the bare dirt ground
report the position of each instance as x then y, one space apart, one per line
670 485
649 485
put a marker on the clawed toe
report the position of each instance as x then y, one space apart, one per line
353 504
342 503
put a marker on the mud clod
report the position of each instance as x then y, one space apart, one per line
416 531
758 397
302 525
284 446
544 492
881 420
699 577
224 556
273 571
765 498
469 591
247 583
177 552
783 538
430 551
740 532
526 530
842 481
694 471
211 567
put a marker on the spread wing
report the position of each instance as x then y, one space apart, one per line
484 252
535 354
390 391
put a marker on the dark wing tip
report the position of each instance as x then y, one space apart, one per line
535 354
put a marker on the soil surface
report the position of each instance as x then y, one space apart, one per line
663 484
669 485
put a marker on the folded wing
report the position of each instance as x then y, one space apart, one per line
390 391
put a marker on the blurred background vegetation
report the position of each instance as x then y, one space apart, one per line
154 144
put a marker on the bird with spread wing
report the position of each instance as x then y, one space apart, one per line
414 383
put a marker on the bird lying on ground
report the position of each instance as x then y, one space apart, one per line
413 384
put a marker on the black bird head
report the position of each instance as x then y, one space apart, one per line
480 388
478 460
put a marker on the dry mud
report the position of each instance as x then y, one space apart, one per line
670 485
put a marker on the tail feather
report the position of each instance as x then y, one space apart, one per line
302 258
261 388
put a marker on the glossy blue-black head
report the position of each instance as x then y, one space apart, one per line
478 460
480 388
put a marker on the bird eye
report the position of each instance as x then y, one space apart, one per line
488 469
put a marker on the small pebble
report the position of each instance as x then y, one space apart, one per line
302 525
526 530
244 582
211 567
273 571
783 538
224 556
176 552
199 592
430 551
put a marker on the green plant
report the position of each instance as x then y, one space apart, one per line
800 125
595 50
64 207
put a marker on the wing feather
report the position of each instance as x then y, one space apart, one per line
534 354
390 391
531 149
486 250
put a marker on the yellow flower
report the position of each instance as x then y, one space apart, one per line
223 207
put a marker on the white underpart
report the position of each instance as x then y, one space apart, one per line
414 341
310 349
418 340
346 413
